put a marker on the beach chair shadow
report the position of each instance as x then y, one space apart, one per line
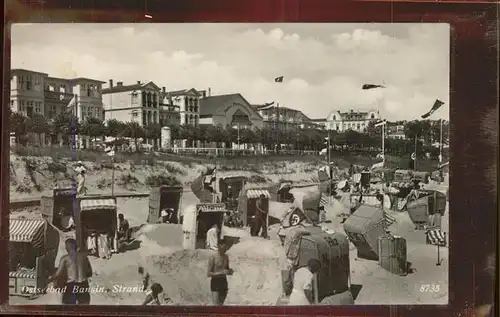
130 246
409 268
230 241
355 289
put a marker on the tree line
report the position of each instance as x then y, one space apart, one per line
62 127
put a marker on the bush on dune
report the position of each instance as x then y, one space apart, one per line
161 180
127 179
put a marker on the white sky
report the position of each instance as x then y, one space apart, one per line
324 65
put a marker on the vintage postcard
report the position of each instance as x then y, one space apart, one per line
229 164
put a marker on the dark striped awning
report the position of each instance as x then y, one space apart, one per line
23 274
93 204
255 193
26 230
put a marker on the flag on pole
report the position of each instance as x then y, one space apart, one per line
266 106
71 105
436 237
109 150
371 86
437 104
278 79
380 123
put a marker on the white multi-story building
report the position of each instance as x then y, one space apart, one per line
352 120
139 102
396 132
33 92
188 103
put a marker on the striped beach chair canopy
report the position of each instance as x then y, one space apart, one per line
26 230
255 193
95 204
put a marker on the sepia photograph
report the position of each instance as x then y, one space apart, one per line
222 164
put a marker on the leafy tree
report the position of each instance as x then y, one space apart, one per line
134 131
247 136
19 126
93 128
115 128
38 125
64 126
373 131
153 131
419 129
175 131
214 134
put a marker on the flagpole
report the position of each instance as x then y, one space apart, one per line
329 145
383 145
278 127
441 143
113 177
438 263
415 161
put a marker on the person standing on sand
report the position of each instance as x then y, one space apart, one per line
123 228
218 270
261 217
80 178
74 271
212 238
303 281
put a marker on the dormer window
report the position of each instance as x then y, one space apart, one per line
373 116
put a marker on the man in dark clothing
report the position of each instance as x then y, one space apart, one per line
261 217
123 228
351 170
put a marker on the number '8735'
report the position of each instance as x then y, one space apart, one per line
429 288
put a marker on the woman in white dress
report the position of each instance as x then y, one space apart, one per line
303 281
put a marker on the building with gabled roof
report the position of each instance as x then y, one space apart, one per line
229 110
282 118
188 103
356 120
139 102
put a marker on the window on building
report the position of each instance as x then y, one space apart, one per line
373 116
29 83
38 107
